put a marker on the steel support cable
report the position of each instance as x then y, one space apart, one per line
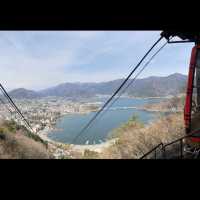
5 105
115 93
133 80
15 107
9 103
12 104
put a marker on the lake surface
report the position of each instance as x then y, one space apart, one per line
70 125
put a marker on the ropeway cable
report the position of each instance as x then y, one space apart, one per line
115 93
5 105
132 81
14 106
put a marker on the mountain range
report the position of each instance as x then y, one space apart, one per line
153 86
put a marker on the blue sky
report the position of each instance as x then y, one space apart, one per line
41 59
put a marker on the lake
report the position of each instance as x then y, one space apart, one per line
70 125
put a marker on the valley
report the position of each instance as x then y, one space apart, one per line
57 118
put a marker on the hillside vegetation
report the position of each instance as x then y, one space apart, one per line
169 105
131 140
134 139
16 142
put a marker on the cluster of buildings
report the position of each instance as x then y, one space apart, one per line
44 112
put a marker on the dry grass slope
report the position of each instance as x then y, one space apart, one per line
17 143
134 140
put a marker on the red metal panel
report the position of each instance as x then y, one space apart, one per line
188 101
195 139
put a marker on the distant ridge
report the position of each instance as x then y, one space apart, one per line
153 86
22 93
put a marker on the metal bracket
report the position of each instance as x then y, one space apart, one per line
183 41
186 36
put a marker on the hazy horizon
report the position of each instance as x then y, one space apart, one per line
38 60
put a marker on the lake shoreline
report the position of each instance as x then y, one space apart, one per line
47 130
92 147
